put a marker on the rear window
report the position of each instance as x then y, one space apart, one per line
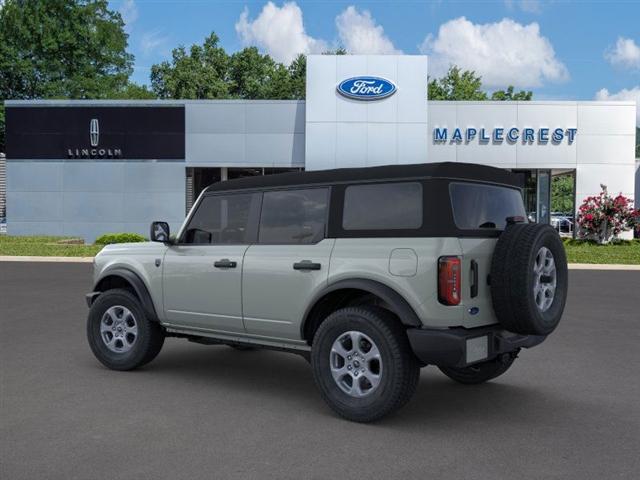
477 206
383 206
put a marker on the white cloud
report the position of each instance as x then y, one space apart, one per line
360 34
632 94
504 53
129 13
626 53
151 41
529 6
278 31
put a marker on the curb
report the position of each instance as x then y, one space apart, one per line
572 266
602 266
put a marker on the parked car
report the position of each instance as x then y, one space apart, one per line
369 273
562 222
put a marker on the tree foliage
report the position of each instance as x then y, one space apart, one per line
458 84
207 72
510 95
562 193
62 49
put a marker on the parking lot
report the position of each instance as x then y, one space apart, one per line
567 409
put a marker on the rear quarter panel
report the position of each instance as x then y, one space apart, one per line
369 258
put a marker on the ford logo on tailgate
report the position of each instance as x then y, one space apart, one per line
366 88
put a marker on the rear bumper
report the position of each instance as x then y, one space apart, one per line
459 347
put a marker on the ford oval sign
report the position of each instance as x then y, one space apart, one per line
366 88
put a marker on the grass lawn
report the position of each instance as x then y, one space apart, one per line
45 246
579 251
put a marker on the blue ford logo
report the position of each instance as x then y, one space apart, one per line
366 88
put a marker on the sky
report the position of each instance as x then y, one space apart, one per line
561 50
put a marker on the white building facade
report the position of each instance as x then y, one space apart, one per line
148 160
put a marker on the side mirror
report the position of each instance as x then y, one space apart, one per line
159 232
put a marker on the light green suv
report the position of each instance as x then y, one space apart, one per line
370 273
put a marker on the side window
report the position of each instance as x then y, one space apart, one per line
383 206
479 206
293 216
222 219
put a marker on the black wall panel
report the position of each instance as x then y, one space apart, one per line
51 132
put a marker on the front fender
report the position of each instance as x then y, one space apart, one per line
133 279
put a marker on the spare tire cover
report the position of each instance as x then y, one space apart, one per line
529 279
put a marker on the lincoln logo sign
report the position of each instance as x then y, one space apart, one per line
510 135
94 151
94 132
366 88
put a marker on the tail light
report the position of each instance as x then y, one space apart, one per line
449 280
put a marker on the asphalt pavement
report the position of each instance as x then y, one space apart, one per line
568 409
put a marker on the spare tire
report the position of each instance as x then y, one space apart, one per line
529 279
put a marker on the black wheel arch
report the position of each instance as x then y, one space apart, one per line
392 300
122 277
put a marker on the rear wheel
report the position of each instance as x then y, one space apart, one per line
119 332
480 372
363 364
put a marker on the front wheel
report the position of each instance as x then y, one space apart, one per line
480 372
119 332
363 364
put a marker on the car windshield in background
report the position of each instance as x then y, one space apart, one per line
477 206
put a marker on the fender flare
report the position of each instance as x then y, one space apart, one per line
393 299
138 285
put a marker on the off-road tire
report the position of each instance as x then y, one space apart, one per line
400 373
150 336
512 279
480 372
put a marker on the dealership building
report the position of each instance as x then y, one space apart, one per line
84 168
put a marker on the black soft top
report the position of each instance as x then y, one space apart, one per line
452 170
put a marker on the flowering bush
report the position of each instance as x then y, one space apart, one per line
604 217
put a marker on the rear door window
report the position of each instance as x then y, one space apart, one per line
294 216
383 206
477 206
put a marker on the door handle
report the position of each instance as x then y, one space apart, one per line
225 263
474 279
306 265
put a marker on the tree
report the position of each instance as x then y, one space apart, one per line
61 49
199 74
562 193
208 72
457 85
298 74
510 95
256 76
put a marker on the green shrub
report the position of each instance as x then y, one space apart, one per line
109 238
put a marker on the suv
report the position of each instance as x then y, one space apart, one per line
369 273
